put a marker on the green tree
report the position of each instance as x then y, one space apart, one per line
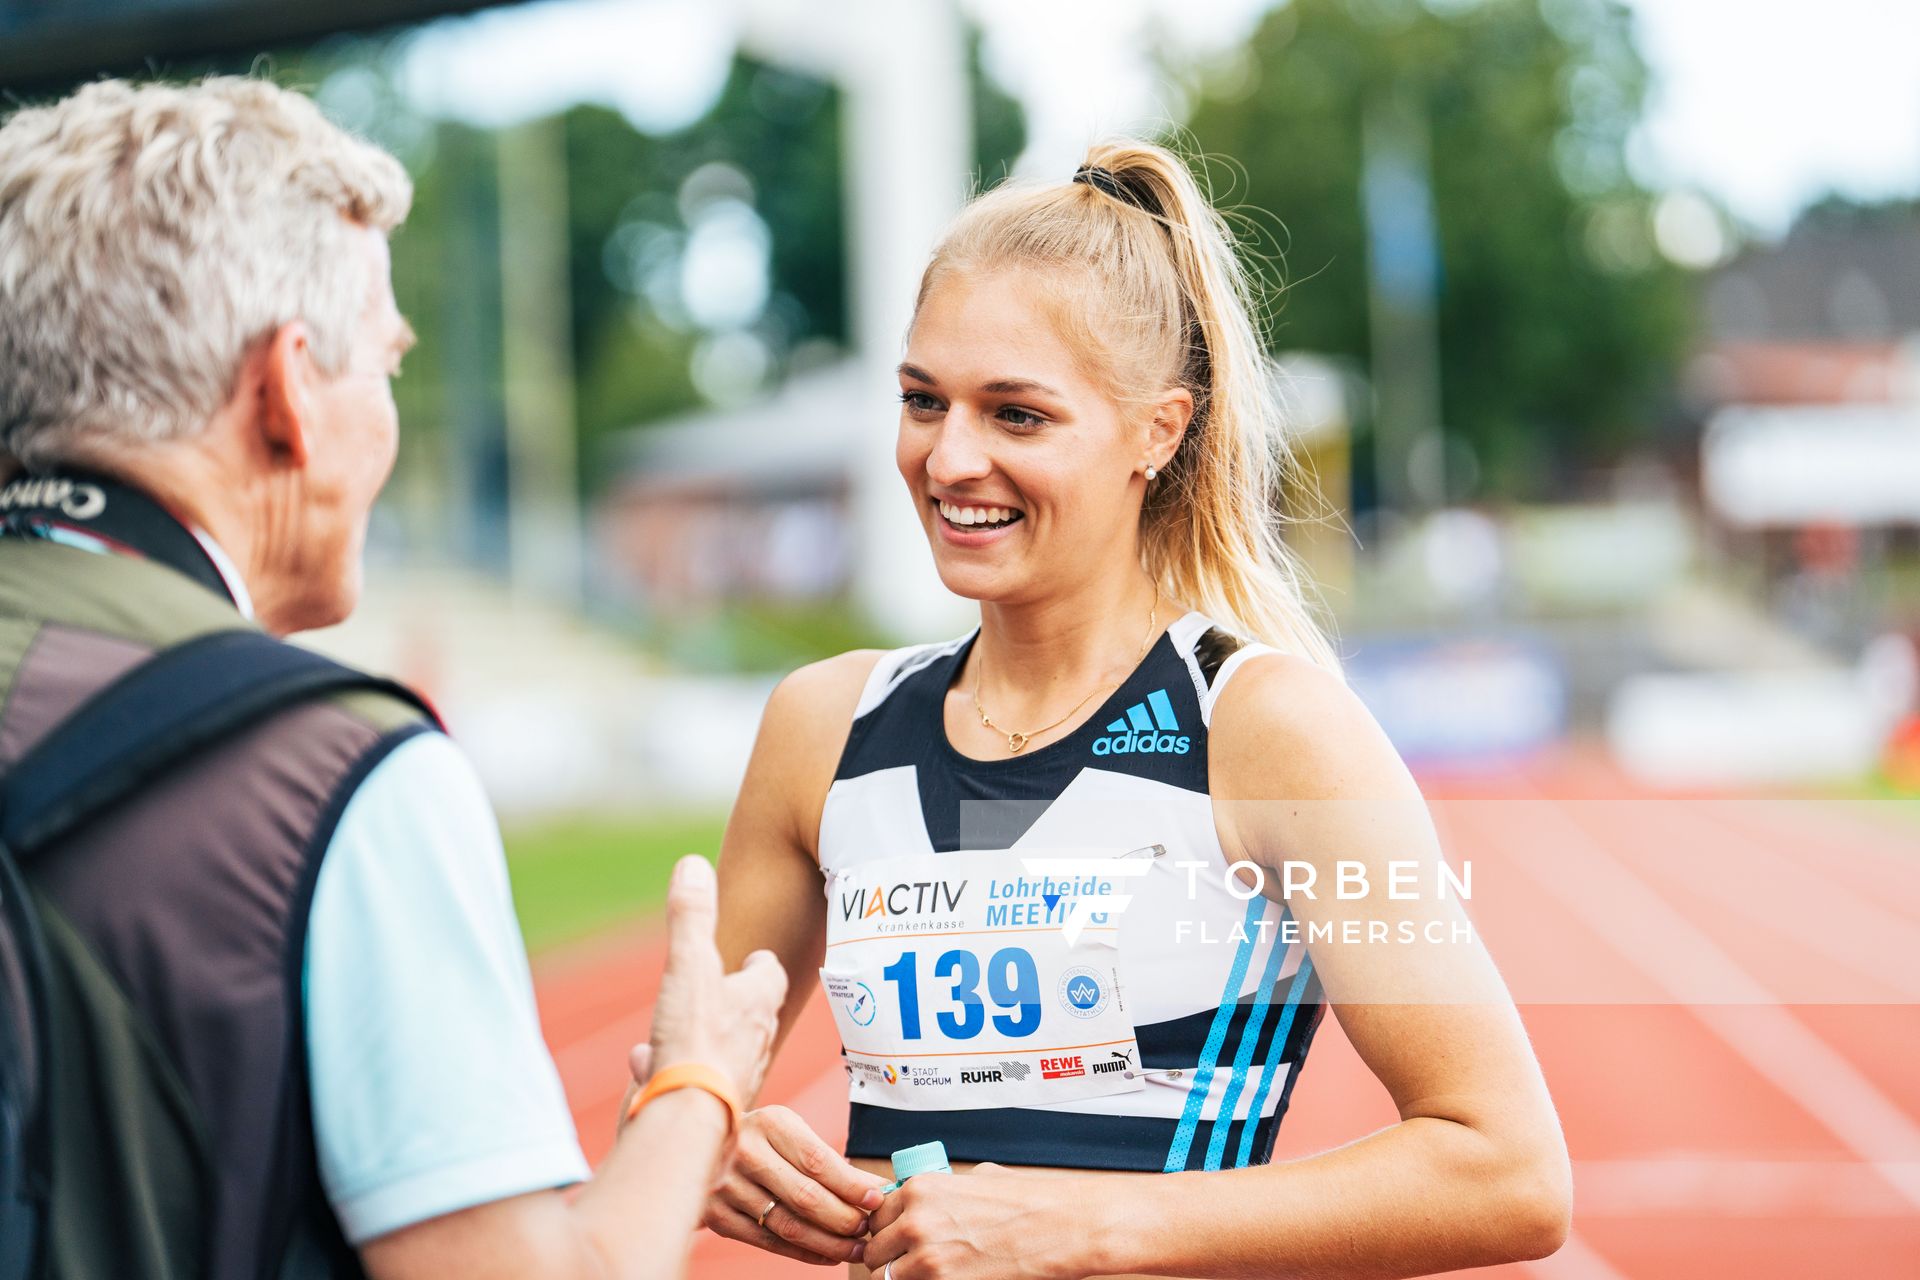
780 132
1559 323
999 123
779 128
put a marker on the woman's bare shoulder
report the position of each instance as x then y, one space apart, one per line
812 706
1294 728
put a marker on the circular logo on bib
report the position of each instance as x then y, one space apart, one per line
1082 992
860 1004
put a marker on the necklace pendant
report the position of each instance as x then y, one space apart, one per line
1015 741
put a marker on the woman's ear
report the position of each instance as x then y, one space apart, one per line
1168 426
286 395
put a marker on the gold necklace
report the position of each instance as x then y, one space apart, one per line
1016 741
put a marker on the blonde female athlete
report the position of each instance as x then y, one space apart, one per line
1088 433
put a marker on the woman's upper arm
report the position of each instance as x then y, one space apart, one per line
770 888
1302 774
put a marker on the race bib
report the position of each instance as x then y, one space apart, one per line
967 979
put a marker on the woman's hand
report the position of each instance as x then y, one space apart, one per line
820 1202
990 1223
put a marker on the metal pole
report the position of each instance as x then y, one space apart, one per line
1403 274
907 137
544 533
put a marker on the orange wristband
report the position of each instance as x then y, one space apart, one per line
690 1075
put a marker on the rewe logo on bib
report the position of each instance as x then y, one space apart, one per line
1062 1067
1148 728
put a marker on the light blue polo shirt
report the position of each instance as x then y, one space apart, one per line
432 1088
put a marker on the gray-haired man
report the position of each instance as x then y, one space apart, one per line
197 334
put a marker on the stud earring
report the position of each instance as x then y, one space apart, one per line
1151 473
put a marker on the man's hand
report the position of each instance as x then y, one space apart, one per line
705 1014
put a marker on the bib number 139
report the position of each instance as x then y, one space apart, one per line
1013 984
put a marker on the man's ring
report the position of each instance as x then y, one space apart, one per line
888 1273
761 1221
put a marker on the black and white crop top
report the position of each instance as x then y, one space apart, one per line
1224 1007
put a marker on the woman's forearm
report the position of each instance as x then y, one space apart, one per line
1424 1195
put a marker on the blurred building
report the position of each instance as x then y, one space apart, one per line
1828 316
746 503
1808 386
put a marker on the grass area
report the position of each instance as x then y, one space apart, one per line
1879 787
575 876
764 636
1874 797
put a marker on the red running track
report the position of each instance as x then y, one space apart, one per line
1724 994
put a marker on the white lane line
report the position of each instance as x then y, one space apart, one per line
1727 1186
1852 931
601 1055
1863 834
1586 878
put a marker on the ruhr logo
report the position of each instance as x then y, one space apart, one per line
1148 728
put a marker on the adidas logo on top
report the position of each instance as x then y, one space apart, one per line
1147 727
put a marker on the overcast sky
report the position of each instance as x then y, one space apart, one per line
1763 104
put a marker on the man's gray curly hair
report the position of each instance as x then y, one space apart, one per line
151 234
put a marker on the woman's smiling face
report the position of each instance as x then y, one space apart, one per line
1020 463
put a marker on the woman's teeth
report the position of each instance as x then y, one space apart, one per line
978 515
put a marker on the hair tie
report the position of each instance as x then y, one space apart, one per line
1135 193
1103 179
